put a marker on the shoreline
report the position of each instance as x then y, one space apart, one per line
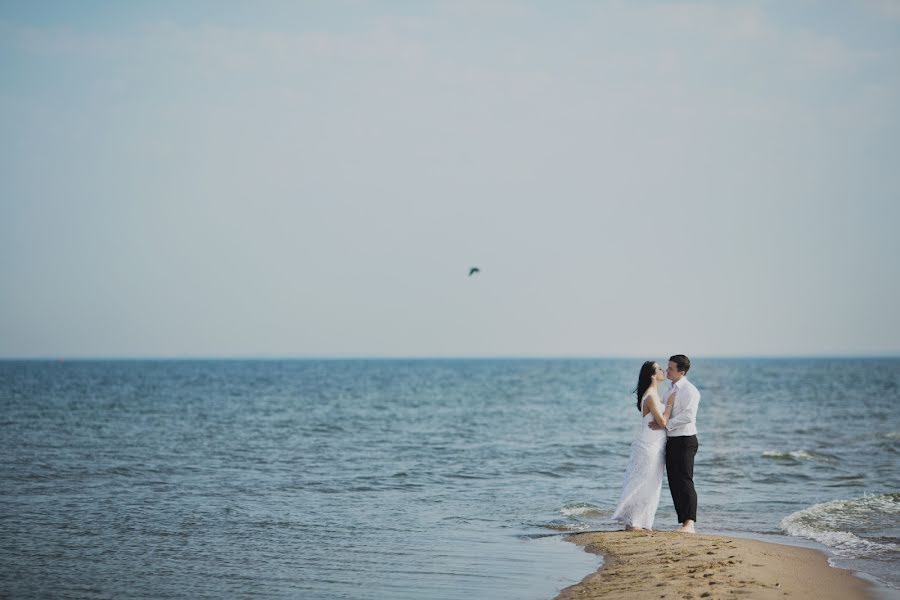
669 565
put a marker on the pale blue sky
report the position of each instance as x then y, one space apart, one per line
315 179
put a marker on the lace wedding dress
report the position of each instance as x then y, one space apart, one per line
643 477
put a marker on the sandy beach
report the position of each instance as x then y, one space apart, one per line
677 566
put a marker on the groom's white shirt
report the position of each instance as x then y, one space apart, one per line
683 420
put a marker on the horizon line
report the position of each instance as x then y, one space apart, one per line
310 357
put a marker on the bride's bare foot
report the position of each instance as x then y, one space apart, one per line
631 528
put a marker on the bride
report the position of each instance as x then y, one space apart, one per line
643 477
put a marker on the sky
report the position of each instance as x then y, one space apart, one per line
315 179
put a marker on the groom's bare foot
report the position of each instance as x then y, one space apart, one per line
687 527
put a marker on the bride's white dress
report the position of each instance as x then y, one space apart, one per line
643 477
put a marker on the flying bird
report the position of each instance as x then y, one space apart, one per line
474 270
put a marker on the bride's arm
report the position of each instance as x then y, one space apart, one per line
662 418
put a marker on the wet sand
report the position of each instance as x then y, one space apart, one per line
674 566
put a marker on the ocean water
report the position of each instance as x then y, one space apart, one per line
427 479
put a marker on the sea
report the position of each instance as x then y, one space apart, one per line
426 479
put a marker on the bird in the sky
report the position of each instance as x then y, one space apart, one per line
474 270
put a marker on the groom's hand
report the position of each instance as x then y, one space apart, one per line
654 426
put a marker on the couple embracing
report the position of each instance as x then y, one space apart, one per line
667 436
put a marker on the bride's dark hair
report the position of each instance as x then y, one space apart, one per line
645 380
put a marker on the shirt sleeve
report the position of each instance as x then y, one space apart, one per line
686 415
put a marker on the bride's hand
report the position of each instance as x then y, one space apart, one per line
671 399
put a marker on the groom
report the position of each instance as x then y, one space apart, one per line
681 445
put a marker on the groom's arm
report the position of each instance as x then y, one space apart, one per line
688 414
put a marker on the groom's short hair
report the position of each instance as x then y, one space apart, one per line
682 362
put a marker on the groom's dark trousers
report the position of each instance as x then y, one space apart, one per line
680 452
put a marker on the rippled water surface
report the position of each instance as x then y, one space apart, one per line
410 479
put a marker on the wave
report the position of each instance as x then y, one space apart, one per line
833 524
799 455
559 525
583 509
